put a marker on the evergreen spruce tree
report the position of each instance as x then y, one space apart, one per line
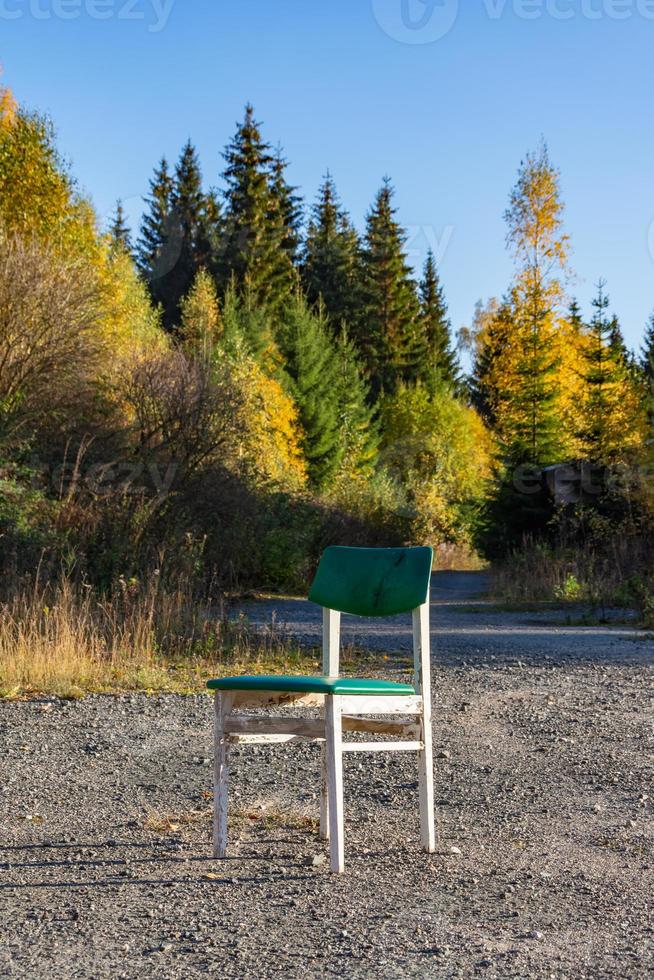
491 332
313 369
255 231
515 382
331 266
390 338
119 229
522 363
598 376
617 343
248 326
603 430
647 371
189 232
534 217
533 434
516 391
155 249
575 317
359 432
441 364
211 232
178 233
289 204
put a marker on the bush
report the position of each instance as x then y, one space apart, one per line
437 449
49 351
588 558
28 529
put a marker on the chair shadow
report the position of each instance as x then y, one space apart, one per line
102 863
163 882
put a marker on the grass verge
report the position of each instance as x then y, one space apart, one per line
67 640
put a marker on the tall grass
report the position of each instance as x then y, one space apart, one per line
65 638
617 571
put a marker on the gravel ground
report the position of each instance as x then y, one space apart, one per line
544 790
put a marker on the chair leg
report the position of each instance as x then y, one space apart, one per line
334 756
324 799
426 789
220 777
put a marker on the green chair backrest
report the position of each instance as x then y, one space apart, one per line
372 581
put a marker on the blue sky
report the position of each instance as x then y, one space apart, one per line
444 97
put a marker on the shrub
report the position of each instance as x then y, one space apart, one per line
49 349
437 448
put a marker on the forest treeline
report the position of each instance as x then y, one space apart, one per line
246 378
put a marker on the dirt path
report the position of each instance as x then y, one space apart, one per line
544 787
467 626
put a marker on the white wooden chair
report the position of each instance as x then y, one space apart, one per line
362 581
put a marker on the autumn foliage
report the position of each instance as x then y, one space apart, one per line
225 392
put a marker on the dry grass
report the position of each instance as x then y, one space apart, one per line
532 575
174 823
613 572
279 811
266 813
67 640
457 558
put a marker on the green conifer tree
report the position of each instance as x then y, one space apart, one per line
255 232
289 204
491 332
598 375
119 230
514 389
617 342
179 233
604 384
441 364
211 232
647 371
331 267
247 326
575 316
155 249
530 427
189 231
390 336
312 366
358 428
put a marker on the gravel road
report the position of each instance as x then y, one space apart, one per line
544 790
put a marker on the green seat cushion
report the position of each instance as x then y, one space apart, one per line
308 685
372 581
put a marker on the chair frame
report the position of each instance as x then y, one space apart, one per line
340 713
